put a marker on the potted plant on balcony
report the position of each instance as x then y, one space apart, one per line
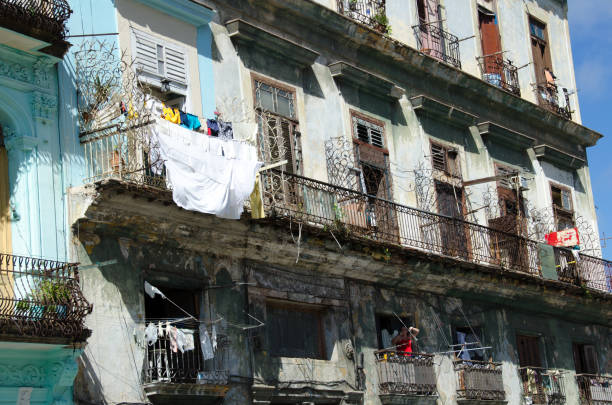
352 5
54 297
382 22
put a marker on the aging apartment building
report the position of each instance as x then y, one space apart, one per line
414 155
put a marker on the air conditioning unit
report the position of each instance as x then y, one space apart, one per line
520 181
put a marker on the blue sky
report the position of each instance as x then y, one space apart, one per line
591 31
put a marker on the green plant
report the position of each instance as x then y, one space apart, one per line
53 292
383 22
22 305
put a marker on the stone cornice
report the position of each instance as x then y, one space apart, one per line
366 81
558 157
441 111
504 136
245 34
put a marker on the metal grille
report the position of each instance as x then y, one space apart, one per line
321 204
500 72
165 363
411 374
368 12
549 98
543 386
46 15
479 380
41 298
341 170
438 43
584 270
594 389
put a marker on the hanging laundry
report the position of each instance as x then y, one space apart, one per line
151 334
463 354
257 209
190 121
208 175
205 344
151 290
181 340
188 344
173 342
171 114
214 337
213 127
160 330
225 130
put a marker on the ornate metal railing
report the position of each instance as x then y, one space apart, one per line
583 270
368 12
166 362
548 97
434 41
479 380
41 298
500 72
404 374
48 16
594 389
542 386
112 152
321 204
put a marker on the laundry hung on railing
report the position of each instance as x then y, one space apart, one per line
207 174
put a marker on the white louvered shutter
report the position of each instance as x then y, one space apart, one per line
160 58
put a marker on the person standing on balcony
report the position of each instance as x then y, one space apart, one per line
403 341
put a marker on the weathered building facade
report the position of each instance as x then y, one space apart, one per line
415 154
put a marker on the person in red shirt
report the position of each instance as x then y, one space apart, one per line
403 341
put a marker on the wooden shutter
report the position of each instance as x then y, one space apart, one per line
590 359
146 52
160 58
438 157
489 32
368 132
539 49
528 351
176 64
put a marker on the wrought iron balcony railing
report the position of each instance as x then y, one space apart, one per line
548 97
542 386
47 16
479 380
438 43
166 363
112 153
594 389
405 374
500 72
368 12
583 270
368 217
41 298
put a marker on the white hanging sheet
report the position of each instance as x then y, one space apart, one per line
207 174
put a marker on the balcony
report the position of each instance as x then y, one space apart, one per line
479 381
367 12
43 20
405 375
169 372
500 73
435 42
583 270
548 97
41 299
542 386
111 153
594 389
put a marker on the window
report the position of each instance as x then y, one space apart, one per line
489 40
529 351
562 207
295 331
368 132
540 50
471 339
387 327
585 359
444 159
279 135
158 60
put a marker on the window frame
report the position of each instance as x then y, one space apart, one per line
579 350
560 211
356 115
292 306
538 345
478 332
278 85
409 320
454 173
